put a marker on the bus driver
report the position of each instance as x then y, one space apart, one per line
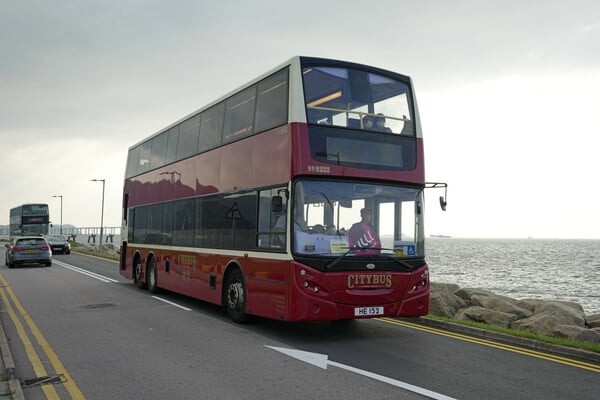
361 234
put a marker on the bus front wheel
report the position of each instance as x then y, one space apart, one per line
235 297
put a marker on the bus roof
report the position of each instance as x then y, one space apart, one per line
295 61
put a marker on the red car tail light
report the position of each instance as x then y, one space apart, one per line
44 248
15 249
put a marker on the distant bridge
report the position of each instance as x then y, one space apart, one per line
91 234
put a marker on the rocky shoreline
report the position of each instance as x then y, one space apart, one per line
559 319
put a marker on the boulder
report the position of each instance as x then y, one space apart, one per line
468 293
533 304
543 323
529 304
593 321
566 310
443 302
487 316
497 303
444 287
588 335
576 333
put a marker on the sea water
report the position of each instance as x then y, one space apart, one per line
551 269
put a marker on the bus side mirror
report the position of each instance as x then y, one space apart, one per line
443 199
276 204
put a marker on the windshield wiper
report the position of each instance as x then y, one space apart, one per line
339 258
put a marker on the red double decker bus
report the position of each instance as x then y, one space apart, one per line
298 196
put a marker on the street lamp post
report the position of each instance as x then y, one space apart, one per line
60 195
102 214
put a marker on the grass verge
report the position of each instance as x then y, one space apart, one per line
78 248
595 347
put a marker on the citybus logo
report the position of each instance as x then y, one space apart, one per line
369 281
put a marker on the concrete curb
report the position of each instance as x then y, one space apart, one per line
12 385
583 355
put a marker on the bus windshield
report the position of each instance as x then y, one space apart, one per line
357 99
332 218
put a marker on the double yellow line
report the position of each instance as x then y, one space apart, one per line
502 346
9 298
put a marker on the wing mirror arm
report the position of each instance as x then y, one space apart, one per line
444 198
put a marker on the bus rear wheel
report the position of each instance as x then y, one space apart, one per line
235 297
151 280
137 273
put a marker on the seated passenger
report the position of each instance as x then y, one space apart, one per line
318 228
331 230
367 122
380 124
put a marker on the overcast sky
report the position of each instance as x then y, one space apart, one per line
508 93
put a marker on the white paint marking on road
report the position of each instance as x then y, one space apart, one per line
171 303
322 361
94 275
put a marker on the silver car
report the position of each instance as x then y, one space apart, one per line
28 250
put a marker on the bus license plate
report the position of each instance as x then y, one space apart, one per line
367 311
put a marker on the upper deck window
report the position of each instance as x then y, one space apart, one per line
252 110
239 115
35 209
188 138
357 99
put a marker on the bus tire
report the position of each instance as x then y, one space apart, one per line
137 273
151 280
235 296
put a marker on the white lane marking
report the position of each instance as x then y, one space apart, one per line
106 279
171 303
321 361
94 275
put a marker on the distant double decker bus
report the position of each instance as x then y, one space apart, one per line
298 196
29 219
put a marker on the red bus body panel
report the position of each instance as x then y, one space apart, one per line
276 289
302 159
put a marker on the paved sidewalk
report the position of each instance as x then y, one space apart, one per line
9 385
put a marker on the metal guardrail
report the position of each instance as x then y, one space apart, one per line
91 234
